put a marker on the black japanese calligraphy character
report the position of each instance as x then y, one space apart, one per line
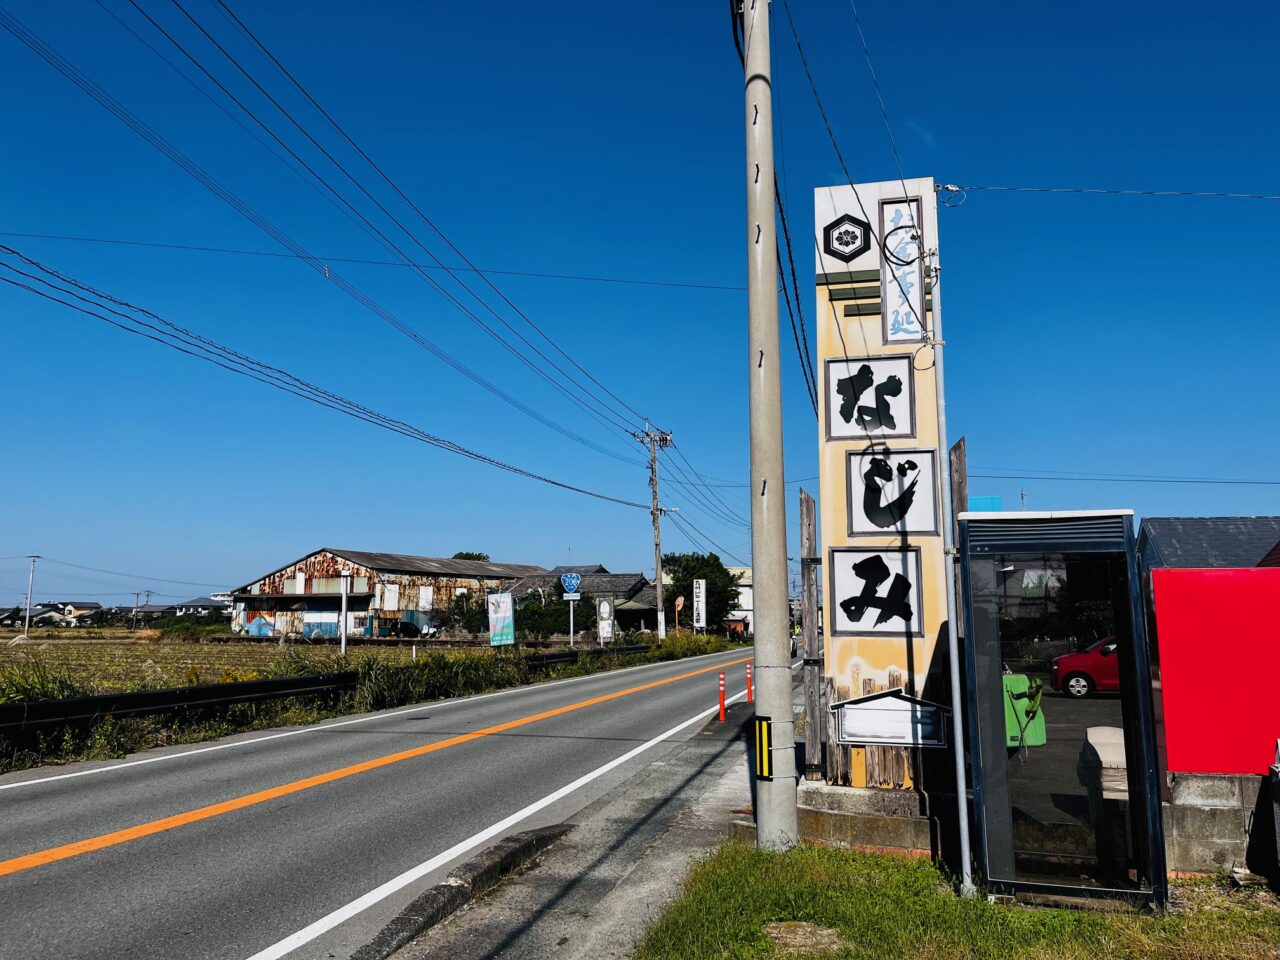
880 416
873 571
876 478
851 390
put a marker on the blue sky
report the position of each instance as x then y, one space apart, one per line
1091 334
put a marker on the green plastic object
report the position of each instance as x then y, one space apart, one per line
1023 718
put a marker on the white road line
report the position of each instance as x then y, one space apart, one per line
377 894
320 728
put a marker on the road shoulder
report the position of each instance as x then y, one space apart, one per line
596 891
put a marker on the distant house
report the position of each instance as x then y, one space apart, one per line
150 611
636 600
388 594
77 609
741 614
1209 542
203 607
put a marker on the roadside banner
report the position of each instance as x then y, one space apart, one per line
700 603
502 621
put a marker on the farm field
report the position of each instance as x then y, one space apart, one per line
107 666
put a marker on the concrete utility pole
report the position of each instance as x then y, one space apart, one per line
342 616
776 827
31 582
136 595
656 439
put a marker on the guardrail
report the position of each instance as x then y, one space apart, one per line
37 712
32 713
568 656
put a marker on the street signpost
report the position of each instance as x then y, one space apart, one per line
699 604
502 621
570 581
604 619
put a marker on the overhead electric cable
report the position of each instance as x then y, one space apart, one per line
835 144
386 241
402 195
1105 191
283 255
682 522
226 358
130 576
109 103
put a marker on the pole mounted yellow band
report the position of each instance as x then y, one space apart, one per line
764 748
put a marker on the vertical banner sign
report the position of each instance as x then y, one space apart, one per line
502 620
604 620
879 450
700 604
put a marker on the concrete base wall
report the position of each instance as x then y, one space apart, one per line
891 821
1215 822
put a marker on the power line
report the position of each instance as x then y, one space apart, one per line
386 241
1107 191
130 576
1124 479
114 107
403 196
685 525
210 351
373 262
724 506
835 144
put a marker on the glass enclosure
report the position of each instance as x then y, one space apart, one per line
1056 669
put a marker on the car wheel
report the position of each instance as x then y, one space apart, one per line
1077 685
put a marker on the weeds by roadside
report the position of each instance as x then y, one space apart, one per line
383 682
888 908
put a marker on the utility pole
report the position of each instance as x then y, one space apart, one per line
31 581
776 827
342 615
136 594
656 439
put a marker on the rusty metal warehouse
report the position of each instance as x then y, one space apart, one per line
385 590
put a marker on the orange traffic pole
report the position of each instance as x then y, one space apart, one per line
751 696
722 696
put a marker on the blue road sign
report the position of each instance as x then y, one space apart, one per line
570 582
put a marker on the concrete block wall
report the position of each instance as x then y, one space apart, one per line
1208 820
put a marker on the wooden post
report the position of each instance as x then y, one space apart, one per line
810 562
959 455
959 485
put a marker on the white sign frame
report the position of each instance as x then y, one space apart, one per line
700 603
844 583
923 517
902 407
891 718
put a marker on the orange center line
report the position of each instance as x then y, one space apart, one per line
66 851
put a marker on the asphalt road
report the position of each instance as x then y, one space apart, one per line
270 845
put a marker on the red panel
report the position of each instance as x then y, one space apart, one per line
1219 636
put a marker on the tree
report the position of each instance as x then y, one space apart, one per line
471 555
722 587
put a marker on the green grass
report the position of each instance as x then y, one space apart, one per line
886 908
387 677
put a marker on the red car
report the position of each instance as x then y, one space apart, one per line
1092 669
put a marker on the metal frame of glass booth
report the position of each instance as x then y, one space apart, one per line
1049 821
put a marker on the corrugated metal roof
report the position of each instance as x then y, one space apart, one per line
1199 542
444 566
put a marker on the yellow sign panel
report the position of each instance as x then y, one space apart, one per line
764 748
883 560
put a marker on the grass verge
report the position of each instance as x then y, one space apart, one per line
386 679
886 908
